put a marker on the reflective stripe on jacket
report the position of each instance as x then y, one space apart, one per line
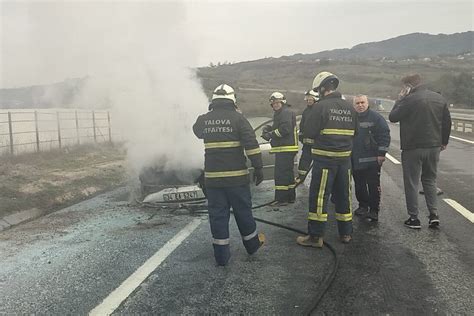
372 140
332 124
228 140
284 132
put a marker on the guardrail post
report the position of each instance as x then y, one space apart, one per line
10 131
77 129
93 126
59 130
37 132
110 130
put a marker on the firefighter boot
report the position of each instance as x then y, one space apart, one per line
252 247
310 241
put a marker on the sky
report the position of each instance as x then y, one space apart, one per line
139 57
47 41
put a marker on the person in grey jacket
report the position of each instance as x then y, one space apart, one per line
425 126
368 154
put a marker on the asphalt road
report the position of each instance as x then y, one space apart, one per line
71 261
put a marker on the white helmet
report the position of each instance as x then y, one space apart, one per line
277 96
311 94
224 91
324 78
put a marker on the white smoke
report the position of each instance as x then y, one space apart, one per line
136 57
145 75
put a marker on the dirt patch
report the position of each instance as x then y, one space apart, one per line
51 180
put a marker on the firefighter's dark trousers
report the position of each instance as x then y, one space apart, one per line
367 187
220 200
330 175
284 177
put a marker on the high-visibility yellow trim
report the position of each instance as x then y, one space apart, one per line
335 131
248 237
222 174
221 242
281 187
344 217
308 141
292 186
250 152
222 144
277 133
302 172
282 149
317 217
322 188
331 153
349 173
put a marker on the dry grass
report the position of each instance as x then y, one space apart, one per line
51 180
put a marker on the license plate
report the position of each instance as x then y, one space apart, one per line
180 196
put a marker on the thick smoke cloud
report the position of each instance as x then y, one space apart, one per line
136 57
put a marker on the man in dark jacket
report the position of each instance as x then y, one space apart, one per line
311 98
228 139
425 126
332 124
284 141
368 154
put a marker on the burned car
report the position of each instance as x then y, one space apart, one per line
160 186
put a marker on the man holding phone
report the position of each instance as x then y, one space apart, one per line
425 126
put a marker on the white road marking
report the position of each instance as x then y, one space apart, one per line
392 159
111 302
462 139
460 209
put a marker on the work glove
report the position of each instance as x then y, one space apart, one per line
267 128
267 136
299 178
258 176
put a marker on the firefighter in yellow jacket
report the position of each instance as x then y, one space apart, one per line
283 138
228 141
332 124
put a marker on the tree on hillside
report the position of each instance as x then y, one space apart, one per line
457 89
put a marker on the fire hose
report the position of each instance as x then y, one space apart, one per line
329 279
198 208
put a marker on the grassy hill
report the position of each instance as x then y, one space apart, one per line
254 81
375 69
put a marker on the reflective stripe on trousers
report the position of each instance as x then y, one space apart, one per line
330 176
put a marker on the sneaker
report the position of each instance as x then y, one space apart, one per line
361 211
372 216
310 241
433 221
413 223
278 203
345 239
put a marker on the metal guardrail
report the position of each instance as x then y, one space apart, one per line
42 130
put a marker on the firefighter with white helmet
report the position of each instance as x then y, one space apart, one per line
332 125
228 141
283 138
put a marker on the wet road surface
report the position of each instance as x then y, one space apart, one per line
70 261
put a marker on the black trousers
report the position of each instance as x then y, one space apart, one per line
330 176
367 187
285 177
